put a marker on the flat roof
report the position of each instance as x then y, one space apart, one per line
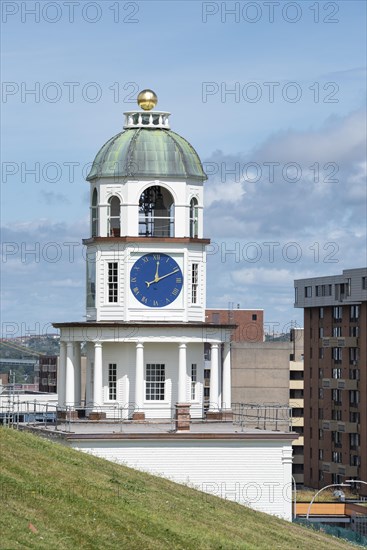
158 430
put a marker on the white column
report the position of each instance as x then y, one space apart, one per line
70 382
226 385
139 377
182 373
61 377
97 379
77 372
214 373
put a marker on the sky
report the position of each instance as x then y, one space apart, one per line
272 95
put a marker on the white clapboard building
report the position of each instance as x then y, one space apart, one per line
146 338
146 281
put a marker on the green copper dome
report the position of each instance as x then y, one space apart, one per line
147 152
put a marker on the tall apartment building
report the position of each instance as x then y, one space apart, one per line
335 379
296 400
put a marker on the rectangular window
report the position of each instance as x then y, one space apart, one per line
254 317
354 397
337 396
194 379
296 295
354 312
112 282
337 457
112 381
354 332
194 283
336 479
354 374
308 291
321 313
364 283
91 280
321 353
353 356
336 438
337 373
337 332
321 332
155 381
336 414
337 355
348 287
355 460
354 440
354 417
337 313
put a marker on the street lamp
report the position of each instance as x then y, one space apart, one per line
323 489
295 498
355 481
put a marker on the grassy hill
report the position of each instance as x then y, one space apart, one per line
55 497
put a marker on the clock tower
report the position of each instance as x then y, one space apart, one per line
145 326
146 253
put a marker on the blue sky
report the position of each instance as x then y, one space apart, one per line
287 190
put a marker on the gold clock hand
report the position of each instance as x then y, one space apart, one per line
156 278
168 274
148 283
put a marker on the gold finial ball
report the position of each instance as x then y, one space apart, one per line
147 100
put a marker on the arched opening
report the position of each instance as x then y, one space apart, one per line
114 207
194 218
156 213
94 213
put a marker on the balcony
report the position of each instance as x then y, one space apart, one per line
298 478
339 342
296 403
337 426
297 422
339 384
342 469
296 366
296 384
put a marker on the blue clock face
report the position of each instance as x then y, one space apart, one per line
156 280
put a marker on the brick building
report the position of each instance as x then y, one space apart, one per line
335 380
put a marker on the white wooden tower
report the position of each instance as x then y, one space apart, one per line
146 280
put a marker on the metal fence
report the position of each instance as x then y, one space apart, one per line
348 534
262 417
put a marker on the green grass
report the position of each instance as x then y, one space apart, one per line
53 497
306 495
